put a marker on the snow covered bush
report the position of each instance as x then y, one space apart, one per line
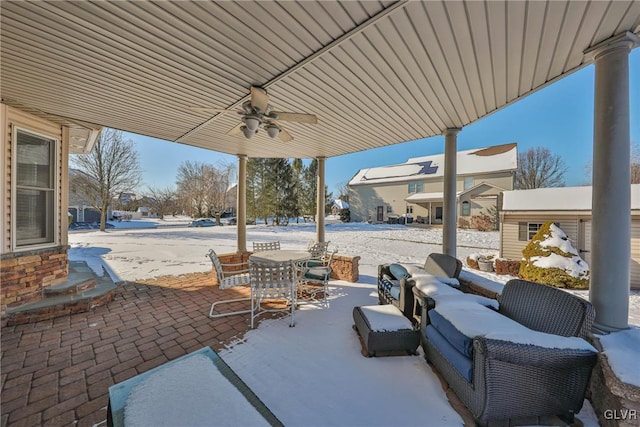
550 258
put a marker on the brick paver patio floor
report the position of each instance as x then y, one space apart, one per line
58 372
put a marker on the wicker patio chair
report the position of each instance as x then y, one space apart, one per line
229 276
266 246
272 281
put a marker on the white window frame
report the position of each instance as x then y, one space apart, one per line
418 187
14 190
468 182
462 205
530 233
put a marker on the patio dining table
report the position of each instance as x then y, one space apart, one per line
279 256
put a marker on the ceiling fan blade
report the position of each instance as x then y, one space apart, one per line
284 136
236 131
296 117
212 110
259 98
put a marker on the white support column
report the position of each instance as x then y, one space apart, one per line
449 206
320 201
430 212
611 194
241 203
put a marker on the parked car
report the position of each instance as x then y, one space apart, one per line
230 220
202 222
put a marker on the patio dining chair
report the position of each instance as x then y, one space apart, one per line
314 277
229 276
318 251
266 246
272 281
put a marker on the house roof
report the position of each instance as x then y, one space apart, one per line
376 73
557 199
436 196
497 158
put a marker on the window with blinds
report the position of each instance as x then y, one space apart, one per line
35 189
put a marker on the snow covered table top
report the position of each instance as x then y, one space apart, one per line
193 390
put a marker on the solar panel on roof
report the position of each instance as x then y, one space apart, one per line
427 169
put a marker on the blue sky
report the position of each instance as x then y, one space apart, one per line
559 117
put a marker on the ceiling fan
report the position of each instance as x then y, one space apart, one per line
257 112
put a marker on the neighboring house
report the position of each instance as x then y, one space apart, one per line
338 205
416 187
35 150
79 207
231 198
522 212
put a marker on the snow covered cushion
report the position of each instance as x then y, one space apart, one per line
472 319
385 318
451 281
457 339
432 287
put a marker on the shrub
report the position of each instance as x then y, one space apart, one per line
550 258
463 224
483 222
507 266
345 215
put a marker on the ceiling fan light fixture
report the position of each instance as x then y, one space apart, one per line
252 123
248 133
272 130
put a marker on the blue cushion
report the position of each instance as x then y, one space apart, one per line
395 292
457 339
387 282
315 263
317 273
461 363
398 271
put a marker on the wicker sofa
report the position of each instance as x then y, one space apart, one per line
395 281
521 356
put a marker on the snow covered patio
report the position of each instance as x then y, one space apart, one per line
59 371
56 372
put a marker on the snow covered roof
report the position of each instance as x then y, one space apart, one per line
557 199
497 158
340 204
427 197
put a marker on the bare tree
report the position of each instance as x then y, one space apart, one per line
163 200
203 187
112 167
538 168
635 166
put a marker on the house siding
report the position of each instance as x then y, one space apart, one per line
12 117
24 273
570 222
364 199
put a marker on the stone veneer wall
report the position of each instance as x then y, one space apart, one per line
24 274
615 403
343 267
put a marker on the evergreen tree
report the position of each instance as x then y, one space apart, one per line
309 189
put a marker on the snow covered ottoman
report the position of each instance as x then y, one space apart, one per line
383 328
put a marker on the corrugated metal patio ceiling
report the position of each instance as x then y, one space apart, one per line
375 73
